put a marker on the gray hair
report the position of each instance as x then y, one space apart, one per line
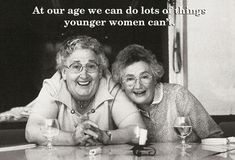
81 42
135 53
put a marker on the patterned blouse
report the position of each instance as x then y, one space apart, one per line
170 101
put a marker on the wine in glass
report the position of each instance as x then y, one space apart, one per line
51 129
183 128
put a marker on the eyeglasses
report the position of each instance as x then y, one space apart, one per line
144 78
78 67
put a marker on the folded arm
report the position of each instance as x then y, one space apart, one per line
127 118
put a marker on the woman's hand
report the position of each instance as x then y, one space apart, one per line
84 133
96 133
15 114
87 133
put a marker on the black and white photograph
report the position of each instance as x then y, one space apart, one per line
108 79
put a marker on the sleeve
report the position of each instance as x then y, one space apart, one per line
45 104
124 111
202 123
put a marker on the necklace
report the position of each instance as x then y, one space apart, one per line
84 104
83 107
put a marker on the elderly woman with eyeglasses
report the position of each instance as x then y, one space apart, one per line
84 99
138 72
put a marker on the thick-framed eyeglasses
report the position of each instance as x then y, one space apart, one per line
144 78
77 67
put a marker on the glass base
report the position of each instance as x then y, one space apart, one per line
52 148
183 145
186 145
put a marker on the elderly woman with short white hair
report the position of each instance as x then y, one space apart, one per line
139 73
82 96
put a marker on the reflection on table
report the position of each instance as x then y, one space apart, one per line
164 151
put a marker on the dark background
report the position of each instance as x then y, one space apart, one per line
28 43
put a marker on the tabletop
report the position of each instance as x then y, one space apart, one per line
164 151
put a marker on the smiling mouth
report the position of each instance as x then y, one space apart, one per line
139 93
84 83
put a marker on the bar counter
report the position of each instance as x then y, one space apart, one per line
164 151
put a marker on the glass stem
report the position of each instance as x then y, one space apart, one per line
49 143
183 141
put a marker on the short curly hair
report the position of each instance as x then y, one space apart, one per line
81 42
135 53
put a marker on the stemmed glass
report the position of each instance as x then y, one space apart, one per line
51 129
183 128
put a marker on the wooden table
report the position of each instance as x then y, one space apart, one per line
164 151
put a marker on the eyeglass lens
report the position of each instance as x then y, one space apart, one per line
144 78
78 67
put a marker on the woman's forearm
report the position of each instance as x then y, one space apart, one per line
34 135
124 135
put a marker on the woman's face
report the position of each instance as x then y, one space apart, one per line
82 83
138 82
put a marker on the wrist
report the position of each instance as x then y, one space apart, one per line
73 140
107 137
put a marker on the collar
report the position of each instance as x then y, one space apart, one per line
63 95
101 95
158 95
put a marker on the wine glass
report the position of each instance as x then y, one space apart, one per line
183 128
51 129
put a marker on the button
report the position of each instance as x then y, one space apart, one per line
92 111
72 111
